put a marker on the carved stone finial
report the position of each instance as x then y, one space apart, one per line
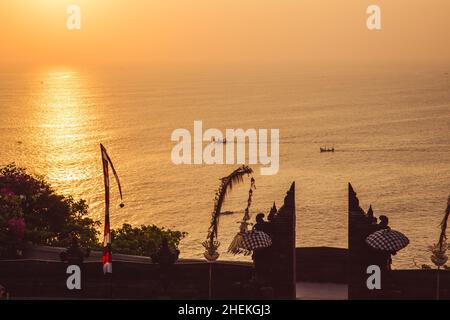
273 212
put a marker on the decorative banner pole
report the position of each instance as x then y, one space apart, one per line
439 257
211 244
107 257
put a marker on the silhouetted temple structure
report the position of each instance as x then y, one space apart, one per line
358 230
395 284
278 264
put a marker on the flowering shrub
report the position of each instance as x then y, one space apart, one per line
30 211
17 227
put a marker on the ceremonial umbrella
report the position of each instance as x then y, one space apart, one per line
387 240
253 240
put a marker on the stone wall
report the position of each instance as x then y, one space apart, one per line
130 280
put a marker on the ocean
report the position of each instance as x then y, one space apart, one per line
390 128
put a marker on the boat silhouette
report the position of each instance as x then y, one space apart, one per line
326 149
224 141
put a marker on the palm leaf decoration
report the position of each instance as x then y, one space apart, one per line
226 185
443 235
439 257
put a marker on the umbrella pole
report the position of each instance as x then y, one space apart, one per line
437 284
210 280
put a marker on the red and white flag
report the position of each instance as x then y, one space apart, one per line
106 257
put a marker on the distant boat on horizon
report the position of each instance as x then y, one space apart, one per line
325 149
224 141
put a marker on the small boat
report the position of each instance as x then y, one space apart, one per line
326 149
224 141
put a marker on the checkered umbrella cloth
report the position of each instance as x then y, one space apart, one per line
387 240
255 239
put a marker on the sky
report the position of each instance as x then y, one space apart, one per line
222 32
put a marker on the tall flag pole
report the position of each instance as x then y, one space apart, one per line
106 257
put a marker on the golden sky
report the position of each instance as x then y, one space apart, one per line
158 32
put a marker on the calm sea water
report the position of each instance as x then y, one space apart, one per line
390 128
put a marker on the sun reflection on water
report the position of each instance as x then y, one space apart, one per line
61 116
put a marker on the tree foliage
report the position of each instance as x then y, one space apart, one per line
143 240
